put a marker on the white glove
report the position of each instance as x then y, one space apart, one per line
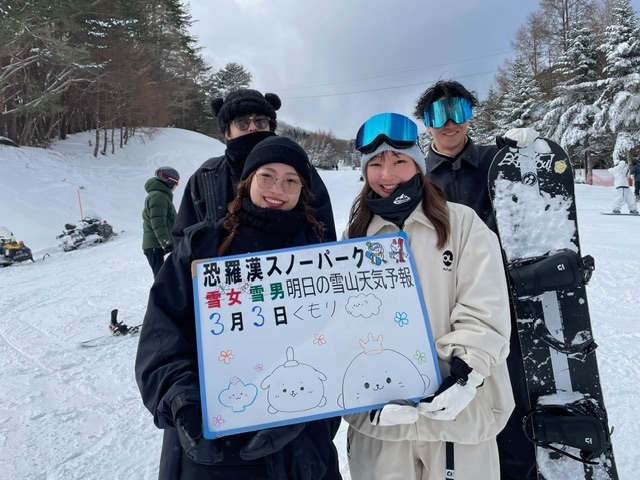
454 394
396 412
522 136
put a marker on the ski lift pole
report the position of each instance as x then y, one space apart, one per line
80 203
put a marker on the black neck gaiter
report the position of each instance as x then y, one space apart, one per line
399 205
239 148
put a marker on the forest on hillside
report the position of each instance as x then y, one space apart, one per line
113 66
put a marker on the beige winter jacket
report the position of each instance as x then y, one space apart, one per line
466 297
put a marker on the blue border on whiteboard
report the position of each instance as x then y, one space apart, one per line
209 434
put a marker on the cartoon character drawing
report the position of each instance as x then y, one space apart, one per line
378 375
375 253
397 251
294 387
238 395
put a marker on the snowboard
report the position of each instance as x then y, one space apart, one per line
620 214
117 329
532 193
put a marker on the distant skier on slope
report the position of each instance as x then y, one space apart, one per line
635 171
620 171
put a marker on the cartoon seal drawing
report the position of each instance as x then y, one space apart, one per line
238 395
378 375
294 387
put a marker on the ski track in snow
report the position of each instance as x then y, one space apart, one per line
70 413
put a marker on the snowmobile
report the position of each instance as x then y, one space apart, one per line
12 251
92 230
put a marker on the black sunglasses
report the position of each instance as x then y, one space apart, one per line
243 123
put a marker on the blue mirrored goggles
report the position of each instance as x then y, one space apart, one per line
392 128
457 109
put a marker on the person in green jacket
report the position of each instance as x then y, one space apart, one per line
158 216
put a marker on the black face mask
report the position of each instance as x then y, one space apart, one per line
399 205
239 148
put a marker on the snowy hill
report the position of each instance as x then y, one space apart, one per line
68 412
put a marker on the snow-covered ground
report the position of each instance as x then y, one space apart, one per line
68 412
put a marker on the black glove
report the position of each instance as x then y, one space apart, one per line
188 421
168 248
271 440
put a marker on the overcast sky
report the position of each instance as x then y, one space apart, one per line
334 63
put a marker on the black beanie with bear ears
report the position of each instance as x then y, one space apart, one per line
243 102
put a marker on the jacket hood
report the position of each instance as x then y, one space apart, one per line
155 185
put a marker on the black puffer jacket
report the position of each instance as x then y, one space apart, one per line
464 178
167 361
211 188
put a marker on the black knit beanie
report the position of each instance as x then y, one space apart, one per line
243 102
278 150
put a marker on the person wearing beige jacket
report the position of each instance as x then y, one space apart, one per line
459 264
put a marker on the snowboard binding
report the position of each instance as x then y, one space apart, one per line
118 328
581 425
560 271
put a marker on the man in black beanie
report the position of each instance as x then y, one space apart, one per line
245 117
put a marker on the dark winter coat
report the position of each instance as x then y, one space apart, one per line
158 215
167 361
464 179
211 188
635 171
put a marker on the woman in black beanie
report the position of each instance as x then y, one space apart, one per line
270 211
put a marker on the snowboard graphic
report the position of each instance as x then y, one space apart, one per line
532 192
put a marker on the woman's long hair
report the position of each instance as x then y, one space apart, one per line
434 204
231 223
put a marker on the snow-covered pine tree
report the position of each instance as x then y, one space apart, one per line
483 123
570 114
619 104
232 77
520 106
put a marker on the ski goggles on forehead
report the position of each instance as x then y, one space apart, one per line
392 128
457 109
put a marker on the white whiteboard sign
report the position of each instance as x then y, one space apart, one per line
295 335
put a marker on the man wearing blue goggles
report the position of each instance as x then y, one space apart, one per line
460 167
457 109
